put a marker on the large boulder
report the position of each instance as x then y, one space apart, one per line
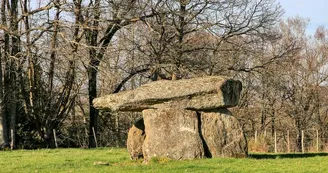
172 133
206 93
222 134
136 137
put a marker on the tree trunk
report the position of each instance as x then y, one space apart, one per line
95 58
15 49
117 130
4 138
92 37
299 136
273 118
3 132
92 74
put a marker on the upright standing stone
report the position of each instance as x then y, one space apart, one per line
222 134
172 133
136 137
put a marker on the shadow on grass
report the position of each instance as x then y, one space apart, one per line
281 156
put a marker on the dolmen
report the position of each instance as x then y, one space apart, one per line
182 119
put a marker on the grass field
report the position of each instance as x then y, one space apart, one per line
82 160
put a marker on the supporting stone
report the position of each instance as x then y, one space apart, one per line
136 137
172 133
222 134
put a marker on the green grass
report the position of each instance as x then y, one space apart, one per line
82 160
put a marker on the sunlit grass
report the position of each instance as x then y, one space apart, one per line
82 160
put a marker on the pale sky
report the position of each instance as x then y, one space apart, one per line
315 10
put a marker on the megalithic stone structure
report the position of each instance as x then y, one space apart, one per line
198 94
182 119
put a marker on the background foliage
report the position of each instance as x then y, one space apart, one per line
56 56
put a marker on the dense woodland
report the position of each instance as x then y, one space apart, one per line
56 56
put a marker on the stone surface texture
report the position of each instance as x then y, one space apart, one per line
222 134
205 93
172 133
136 138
